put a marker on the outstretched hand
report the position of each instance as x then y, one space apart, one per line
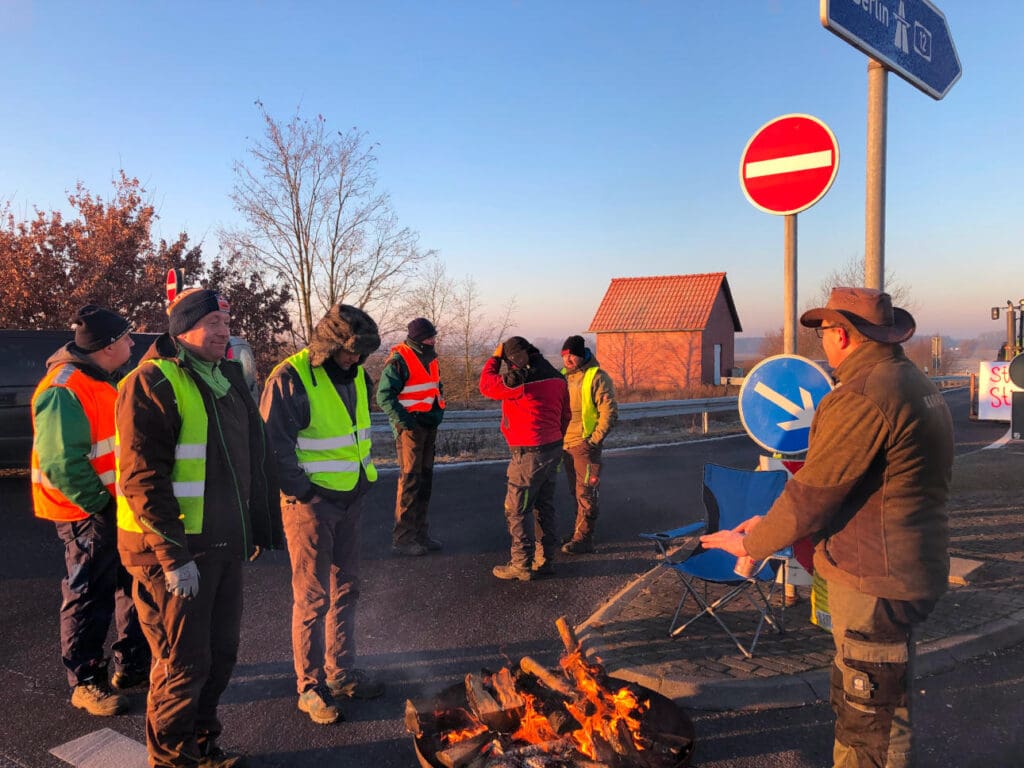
732 540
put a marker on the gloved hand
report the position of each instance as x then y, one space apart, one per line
183 581
499 350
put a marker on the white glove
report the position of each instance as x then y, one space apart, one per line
183 581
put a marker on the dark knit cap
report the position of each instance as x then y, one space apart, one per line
575 345
191 306
96 328
343 327
420 329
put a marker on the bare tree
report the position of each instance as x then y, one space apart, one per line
472 336
314 217
852 274
431 294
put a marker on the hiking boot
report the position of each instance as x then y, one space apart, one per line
212 756
543 568
412 549
432 545
96 698
319 705
130 677
512 571
355 684
578 547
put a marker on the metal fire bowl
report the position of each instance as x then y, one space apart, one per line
663 710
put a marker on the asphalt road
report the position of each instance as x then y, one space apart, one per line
423 624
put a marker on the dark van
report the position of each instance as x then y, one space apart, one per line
23 356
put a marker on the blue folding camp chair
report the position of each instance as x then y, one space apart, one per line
730 497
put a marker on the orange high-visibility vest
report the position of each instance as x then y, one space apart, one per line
97 399
422 387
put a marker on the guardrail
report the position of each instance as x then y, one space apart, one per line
490 418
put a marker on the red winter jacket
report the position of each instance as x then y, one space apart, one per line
535 412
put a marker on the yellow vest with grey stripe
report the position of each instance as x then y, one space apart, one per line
188 475
588 409
331 449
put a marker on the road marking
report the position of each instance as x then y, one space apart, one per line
805 162
105 748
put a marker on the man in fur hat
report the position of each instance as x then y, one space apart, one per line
534 415
872 494
197 498
317 407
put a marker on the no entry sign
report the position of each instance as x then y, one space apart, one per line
789 164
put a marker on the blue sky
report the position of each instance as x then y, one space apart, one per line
541 146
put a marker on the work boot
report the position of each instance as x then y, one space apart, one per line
130 677
512 571
432 545
95 697
355 684
578 547
212 756
412 549
319 705
542 568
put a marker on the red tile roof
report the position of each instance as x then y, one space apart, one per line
669 303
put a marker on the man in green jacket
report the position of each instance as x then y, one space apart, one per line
872 495
411 395
594 413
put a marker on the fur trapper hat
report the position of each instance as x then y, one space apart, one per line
343 327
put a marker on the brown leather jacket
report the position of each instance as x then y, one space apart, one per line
873 490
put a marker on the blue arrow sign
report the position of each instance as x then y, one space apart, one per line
778 399
910 37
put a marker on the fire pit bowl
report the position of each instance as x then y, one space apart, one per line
663 721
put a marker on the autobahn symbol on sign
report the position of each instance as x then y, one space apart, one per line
778 399
911 37
789 164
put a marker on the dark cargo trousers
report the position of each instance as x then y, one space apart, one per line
531 489
195 645
872 675
323 543
96 589
582 464
415 451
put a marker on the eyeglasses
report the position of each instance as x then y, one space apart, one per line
820 330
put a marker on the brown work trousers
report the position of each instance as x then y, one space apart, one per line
323 543
531 489
415 452
194 644
872 675
582 464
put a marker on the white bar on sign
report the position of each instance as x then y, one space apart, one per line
805 162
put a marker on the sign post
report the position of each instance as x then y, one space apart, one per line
912 38
787 166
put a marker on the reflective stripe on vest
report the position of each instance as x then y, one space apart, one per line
97 399
188 475
331 449
422 387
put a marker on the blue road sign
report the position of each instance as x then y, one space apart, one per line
910 37
777 401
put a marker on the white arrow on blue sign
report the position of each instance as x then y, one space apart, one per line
778 399
911 37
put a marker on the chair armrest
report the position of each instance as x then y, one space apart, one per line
675 533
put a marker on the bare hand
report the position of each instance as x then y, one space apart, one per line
730 541
749 524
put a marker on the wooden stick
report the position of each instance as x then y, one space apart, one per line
568 634
557 684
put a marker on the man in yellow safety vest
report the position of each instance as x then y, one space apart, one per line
317 407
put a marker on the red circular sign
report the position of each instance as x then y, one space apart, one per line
789 164
175 278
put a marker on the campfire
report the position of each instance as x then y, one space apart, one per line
532 717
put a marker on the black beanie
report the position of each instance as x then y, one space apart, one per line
517 351
96 328
420 329
191 306
575 345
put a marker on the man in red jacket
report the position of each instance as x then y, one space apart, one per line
534 416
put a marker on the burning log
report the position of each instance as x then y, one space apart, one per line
469 753
488 710
568 635
555 683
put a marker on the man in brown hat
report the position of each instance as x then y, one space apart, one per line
872 494
197 497
317 407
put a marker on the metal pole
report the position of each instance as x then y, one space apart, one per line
789 278
874 218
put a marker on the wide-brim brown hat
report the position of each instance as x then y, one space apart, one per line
868 310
